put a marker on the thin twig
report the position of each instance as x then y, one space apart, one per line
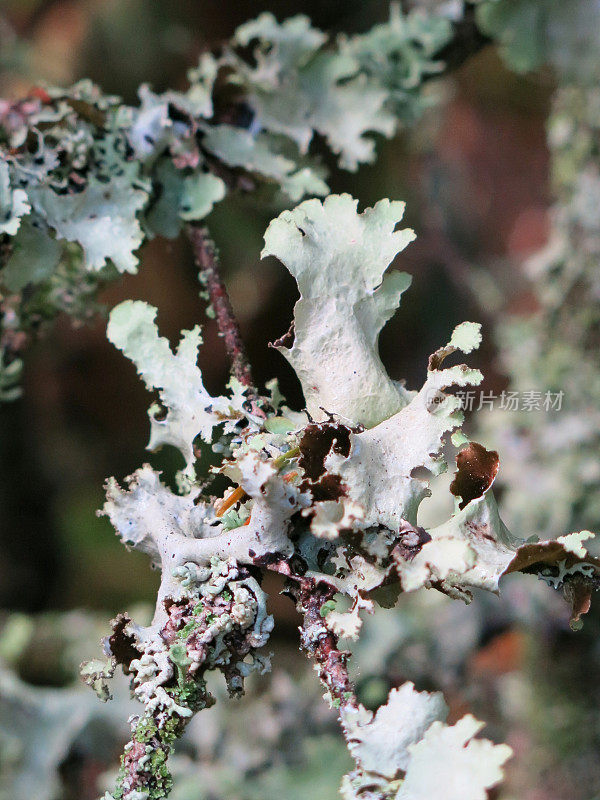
321 645
210 275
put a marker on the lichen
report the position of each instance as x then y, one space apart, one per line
331 502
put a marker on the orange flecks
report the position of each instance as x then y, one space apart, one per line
221 506
40 94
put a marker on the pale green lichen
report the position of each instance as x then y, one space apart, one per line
531 34
464 767
13 203
373 447
92 177
191 410
339 258
96 674
227 625
102 219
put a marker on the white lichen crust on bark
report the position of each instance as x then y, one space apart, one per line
329 498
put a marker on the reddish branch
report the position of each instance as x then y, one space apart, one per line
210 275
321 644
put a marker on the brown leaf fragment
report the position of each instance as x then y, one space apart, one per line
287 340
121 644
577 591
550 553
564 564
477 468
87 111
318 440
411 539
330 487
436 359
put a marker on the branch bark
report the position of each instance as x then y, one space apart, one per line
321 645
207 262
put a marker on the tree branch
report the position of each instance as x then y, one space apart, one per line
207 262
321 645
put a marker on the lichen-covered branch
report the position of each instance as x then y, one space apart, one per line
218 622
329 498
207 261
321 644
86 179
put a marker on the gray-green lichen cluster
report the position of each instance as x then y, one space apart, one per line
295 747
85 179
217 622
328 497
